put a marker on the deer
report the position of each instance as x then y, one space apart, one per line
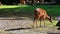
41 14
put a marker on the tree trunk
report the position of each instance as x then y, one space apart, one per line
34 1
42 1
22 1
0 3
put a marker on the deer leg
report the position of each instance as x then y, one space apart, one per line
40 22
44 22
35 22
44 19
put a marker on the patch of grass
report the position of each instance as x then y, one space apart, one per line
48 24
53 10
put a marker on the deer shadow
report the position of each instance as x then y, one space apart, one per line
17 29
58 24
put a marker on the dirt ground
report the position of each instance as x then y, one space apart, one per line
22 25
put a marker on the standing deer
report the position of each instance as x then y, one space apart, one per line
40 14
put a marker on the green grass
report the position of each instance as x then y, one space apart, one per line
53 10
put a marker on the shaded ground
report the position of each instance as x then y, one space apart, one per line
22 25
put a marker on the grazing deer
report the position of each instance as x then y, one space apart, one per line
40 14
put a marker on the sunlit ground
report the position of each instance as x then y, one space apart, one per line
11 6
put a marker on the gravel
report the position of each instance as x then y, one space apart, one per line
24 26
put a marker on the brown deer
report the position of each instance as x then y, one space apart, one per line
40 14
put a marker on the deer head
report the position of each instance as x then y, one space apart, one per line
50 19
